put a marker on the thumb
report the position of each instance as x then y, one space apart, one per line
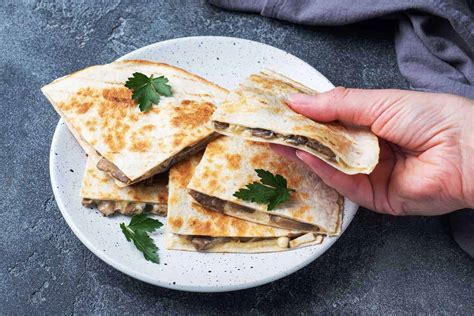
354 106
355 187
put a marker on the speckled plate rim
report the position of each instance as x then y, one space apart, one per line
350 208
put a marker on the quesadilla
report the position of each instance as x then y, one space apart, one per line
135 145
194 228
230 163
257 111
99 190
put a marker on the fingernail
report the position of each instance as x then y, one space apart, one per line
299 154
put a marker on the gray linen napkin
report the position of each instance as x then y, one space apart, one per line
434 41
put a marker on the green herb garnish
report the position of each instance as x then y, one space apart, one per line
147 90
271 190
137 231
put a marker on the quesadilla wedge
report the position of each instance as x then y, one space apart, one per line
99 190
230 163
191 227
135 145
257 111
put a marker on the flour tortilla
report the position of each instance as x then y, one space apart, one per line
259 103
99 190
188 222
132 145
229 164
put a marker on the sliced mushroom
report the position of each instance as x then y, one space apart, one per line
262 133
220 125
321 148
292 224
106 207
296 140
237 207
201 243
111 169
133 208
157 209
208 201
88 203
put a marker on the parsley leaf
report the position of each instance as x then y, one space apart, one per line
137 232
271 190
147 90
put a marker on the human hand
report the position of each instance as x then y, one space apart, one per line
426 148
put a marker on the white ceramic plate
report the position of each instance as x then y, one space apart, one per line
225 61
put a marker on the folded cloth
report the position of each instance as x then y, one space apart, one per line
434 41
434 45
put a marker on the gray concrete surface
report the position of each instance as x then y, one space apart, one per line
380 265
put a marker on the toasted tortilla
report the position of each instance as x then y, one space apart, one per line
132 145
257 111
229 164
192 227
99 190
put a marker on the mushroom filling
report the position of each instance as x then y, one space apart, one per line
112 170
222 206
204 243
295 140
291 224
116 173
262 133
217 204
108 207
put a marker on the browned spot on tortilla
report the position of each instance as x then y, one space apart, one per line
91 125
182 173
88 92
233 161
175 222
309 219
305 128
140 146
134 117
199 227
214 148
258 159
213 185
301 211
115 137
208 173
147 128
80 104
191 114
273 84
118 95
83 107
178 139
219 223
239 225
173 200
